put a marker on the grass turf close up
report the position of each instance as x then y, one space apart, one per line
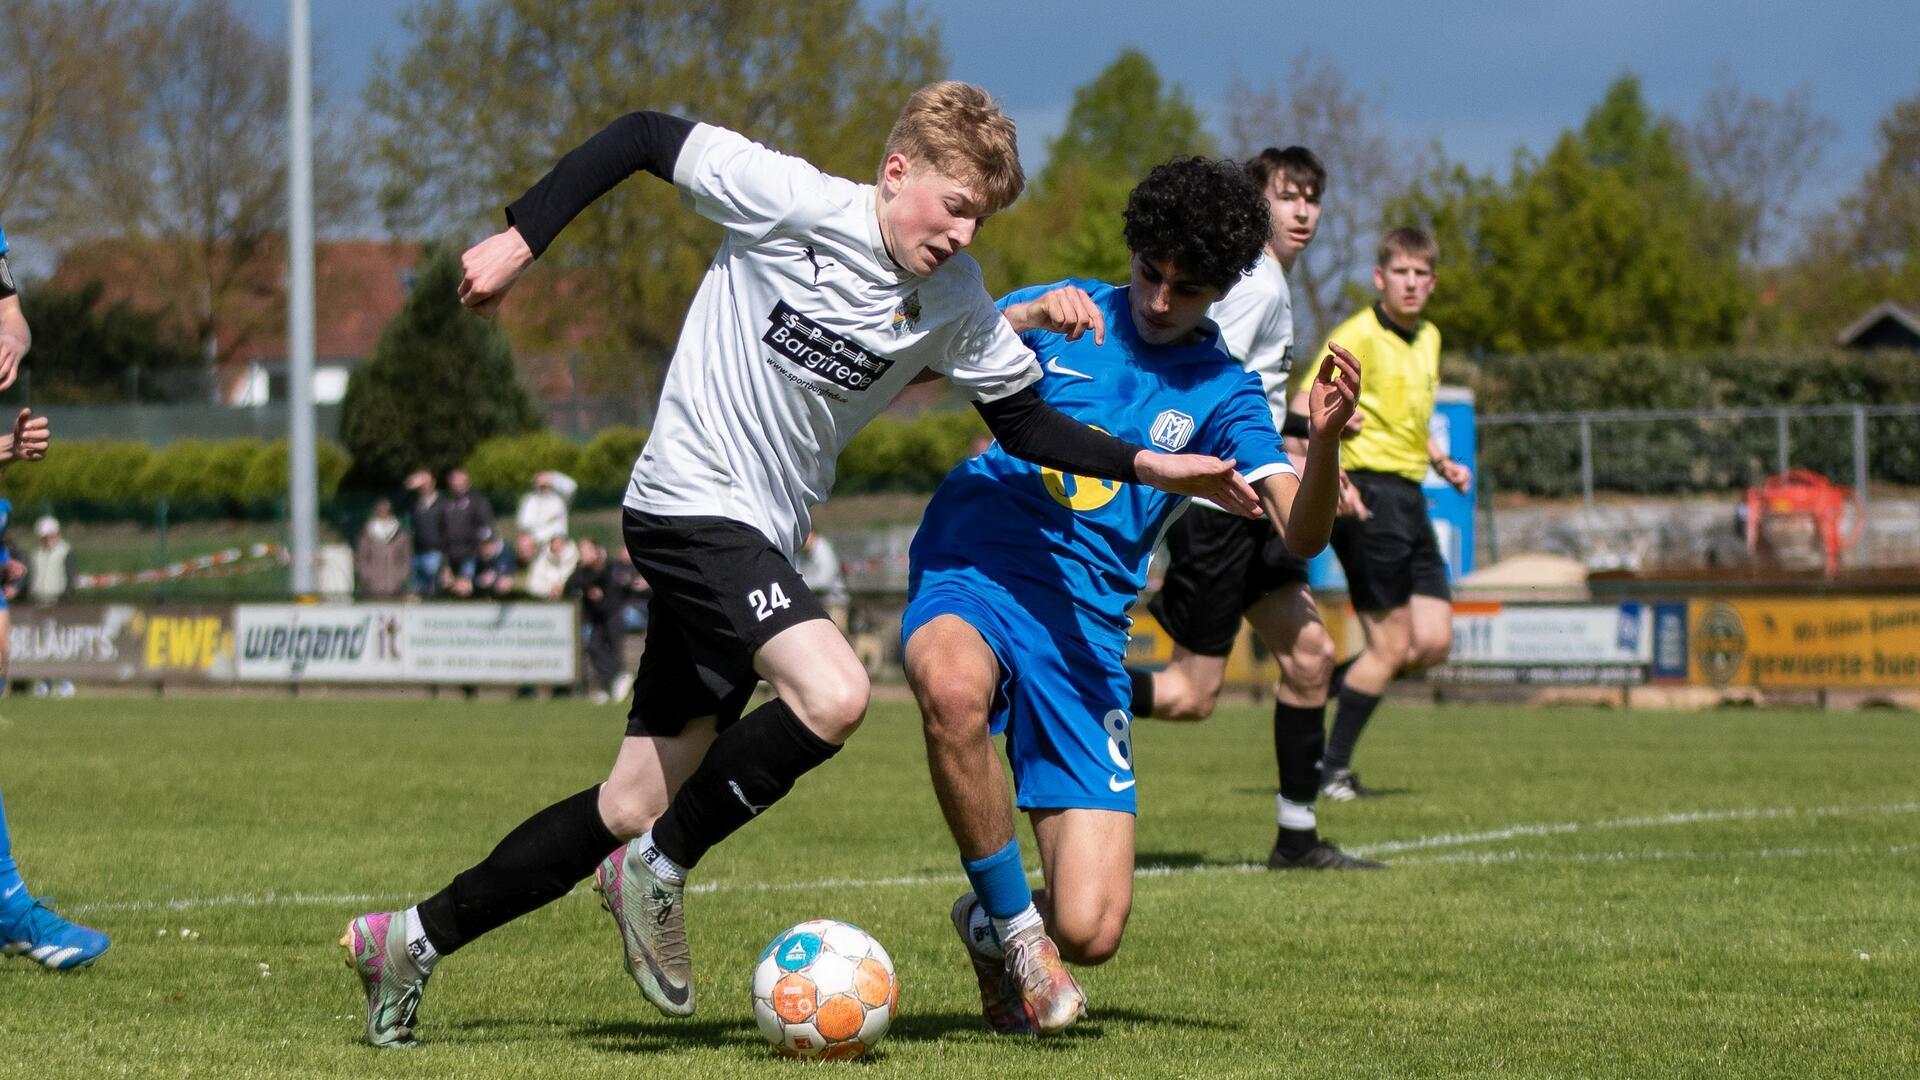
1573 893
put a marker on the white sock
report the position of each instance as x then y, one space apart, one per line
421 949
1294 815
982 933
1025 920
656 860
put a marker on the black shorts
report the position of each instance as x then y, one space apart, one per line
720 592
1392 556
1219 565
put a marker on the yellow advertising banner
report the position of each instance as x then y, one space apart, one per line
1837 642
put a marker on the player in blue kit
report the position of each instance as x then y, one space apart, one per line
1021 579
28 925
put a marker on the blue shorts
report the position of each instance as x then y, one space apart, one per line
1062 701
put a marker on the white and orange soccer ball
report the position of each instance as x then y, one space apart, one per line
824 989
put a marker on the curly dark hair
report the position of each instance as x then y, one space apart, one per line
1202 216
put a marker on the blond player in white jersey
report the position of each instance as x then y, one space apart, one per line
1221 570
826 297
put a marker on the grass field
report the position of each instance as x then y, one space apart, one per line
1574 893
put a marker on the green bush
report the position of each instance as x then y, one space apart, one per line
908 455
266 478
505 464
607 461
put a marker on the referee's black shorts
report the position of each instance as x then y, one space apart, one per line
721 590
1392 556
1219 565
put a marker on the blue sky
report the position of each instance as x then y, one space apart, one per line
1483 78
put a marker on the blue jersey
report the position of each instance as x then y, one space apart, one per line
1088 542
3 241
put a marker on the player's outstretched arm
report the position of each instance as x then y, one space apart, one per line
637 141
1306 519
1032 430
28 440
1067 311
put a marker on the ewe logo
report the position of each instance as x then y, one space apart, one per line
1079 492
1171 431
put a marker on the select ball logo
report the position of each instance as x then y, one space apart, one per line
802 341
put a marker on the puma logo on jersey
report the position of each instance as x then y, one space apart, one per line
1054 365
816 262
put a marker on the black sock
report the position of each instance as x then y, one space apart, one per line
539 862
1349 720
1142 692
751 766
1296 841
1338 680
1299 741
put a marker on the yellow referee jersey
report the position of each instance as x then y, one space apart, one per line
1398 375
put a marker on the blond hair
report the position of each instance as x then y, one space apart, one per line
958 130
1413 243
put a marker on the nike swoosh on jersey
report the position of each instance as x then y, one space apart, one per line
1054 365
9 893
1116 784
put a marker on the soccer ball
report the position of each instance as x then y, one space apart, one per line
824 989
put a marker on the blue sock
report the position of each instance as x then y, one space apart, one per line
13 891
1000 881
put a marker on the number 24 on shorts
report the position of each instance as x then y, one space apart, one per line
767 601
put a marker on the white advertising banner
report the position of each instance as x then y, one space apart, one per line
1551 634
381 643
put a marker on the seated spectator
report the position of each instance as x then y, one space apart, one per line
469 521
602 585
547 577
495 574
819 567
543 511
48 581
383 556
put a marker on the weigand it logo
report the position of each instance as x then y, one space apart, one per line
801 341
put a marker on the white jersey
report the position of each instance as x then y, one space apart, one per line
1256 326
802 331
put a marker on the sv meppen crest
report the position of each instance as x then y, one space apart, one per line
1172 430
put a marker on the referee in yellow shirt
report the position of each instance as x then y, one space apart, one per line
1396 576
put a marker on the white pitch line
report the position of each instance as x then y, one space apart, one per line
270 899
1691 817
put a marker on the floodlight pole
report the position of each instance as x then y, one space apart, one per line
302 496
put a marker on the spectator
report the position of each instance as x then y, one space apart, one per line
543 511
469 519
383 558
547 577
48 581
429 534
820 568
495 575
639 593
603 586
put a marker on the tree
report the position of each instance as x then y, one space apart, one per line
489 95
440 382
1608 240
89 352
64 82
1321 111
1754 154
1122 124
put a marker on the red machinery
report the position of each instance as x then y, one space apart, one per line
1805 492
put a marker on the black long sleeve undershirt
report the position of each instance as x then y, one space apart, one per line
636 141
1032 430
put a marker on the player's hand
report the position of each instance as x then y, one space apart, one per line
1458 476
1335 392
29 439
489 268
12 351
1200 476
1351 504
1067 311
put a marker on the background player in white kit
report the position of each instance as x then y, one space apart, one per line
1223 567
825 298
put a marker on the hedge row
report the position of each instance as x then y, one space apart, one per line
235 477
1713 453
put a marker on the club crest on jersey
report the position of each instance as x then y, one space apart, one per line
906 315
1172 430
